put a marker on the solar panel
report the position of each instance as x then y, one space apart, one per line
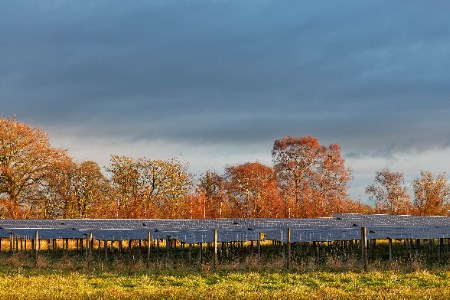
339 227
48 233
4 233
119 234
190 237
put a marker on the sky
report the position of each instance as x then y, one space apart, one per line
215 83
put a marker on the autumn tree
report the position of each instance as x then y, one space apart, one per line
431 194
212 195
352 206
252 189
311 176
56 195
149 188
92 191
389 193
26 159
128 185
333 182
168 185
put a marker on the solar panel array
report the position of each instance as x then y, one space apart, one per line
340 227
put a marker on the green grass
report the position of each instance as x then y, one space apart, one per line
71 277
24 283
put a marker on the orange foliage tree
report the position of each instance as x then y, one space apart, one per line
431 194
307 180
211 201
313 178
149 188
92 191
252 191
26 160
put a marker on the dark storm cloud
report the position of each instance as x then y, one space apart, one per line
371 75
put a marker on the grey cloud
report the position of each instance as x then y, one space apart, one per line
371 75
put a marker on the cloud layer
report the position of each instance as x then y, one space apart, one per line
229 77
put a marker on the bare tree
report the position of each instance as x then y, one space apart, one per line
389 193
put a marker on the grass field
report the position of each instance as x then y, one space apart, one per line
72 279
225 285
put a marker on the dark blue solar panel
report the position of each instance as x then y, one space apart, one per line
339 227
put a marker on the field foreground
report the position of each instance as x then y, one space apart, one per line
45 284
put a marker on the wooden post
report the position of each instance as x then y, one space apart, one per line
390 250
90 244
215 248
288 250
149 240
36 244
410 249
167 250
441 245
157 249
201 254
365 259
11 243
258 244
416 252
430 247
105 245
316 250
190 253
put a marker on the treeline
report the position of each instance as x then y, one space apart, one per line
391 196
306 180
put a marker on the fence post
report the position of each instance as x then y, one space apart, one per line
390 250
91 244
364 248
288 245
105 246
258 244
167 250
11 243
148 249
215 248
36 249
